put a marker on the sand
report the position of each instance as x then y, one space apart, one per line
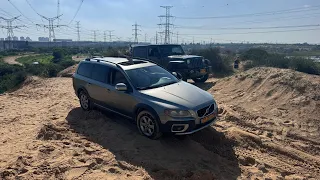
268 129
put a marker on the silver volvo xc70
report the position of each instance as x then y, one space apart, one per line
156 99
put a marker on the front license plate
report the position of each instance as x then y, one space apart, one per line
208 118
203 71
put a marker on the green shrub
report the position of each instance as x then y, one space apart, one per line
44 70
66 63
10 76
305 65
260 57
221 65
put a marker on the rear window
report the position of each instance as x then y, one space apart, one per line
85 69
100 73
140 52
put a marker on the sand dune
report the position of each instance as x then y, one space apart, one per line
268 128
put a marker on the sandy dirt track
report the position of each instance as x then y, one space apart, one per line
12 60
269 128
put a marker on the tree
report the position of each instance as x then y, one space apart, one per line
57 56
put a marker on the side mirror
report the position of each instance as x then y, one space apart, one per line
121 87
177 75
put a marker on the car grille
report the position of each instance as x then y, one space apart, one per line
205 111
196 63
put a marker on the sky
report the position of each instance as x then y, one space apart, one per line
218 21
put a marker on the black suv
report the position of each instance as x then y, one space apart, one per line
173 58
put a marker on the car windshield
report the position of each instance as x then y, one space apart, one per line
171 50
150 77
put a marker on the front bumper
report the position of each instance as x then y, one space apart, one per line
191 126
196 72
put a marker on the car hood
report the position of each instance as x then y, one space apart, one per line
184 56
179 94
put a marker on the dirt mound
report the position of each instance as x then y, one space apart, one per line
260 134
286 99
68 72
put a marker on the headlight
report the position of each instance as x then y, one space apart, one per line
188 61
177 113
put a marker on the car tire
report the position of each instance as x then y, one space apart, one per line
85 102
148 125
202 79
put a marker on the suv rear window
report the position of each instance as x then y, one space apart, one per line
140 52
85 69
100 73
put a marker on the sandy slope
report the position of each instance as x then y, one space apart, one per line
45 135
12 60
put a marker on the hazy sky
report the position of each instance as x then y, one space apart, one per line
201 20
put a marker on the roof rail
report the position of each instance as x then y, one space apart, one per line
98 60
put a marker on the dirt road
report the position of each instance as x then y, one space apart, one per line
44 134
12 60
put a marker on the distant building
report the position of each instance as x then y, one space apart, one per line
1 39
43 39
15 38
28 39
22 38
62 40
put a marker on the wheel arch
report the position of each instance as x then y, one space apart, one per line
81 88
140 107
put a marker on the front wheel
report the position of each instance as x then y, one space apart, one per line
201 79
148 125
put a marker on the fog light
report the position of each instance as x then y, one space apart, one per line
179 127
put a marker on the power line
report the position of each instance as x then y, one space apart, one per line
94 35
268 13
254 32
50 26
177 37
20 11
76 12
58 10
110 34
78 30
104 36
248 28
167 24
9 27
135 30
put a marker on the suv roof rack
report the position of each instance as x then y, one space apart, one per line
98 60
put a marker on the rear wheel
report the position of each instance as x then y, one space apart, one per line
201 79
85 102
148 125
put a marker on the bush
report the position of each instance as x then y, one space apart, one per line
260 57
305 65
44 70
66 63
221 65
10 76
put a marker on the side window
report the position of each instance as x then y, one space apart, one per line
85 69
153 52
100 73
118 77
140 52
